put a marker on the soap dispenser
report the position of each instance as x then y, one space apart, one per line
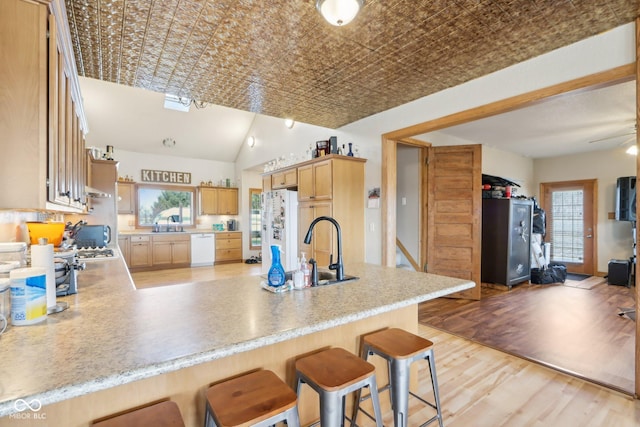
276 275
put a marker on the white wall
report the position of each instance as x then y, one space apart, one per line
611 49
615 239
408 190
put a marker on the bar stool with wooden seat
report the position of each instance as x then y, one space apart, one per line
333 374
163 414
401 348
258 398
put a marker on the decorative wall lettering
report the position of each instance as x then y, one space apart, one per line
166 177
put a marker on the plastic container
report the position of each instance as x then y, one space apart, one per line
5 300
53 231
13 252
28 295
276 276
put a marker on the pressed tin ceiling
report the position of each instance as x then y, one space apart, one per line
281 58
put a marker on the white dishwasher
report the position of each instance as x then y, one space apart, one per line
203 249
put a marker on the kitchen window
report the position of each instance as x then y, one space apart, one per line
165 204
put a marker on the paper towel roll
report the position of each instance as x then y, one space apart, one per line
42 256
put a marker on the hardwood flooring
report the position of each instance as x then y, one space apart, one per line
147 279
574 328
479 386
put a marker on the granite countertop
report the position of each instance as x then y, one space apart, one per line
113 334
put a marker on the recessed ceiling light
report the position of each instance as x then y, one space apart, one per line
251 141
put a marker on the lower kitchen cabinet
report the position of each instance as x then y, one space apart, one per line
155 252
228 247
140 251
170 250
124 245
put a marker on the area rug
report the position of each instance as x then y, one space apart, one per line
588 283
577 277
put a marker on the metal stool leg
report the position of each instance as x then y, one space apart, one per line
399 391
373 389
434 384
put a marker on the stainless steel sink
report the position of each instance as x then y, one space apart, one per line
324 278
329 278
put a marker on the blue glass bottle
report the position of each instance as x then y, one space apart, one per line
276 276
350 153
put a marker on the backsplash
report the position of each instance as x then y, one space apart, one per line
13 224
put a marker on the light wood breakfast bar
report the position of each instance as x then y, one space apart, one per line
117 347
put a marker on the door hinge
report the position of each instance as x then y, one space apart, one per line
425 268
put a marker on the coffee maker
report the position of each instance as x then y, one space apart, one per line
232 225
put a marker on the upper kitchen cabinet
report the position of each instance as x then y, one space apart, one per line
284 179
228 201
42 127
126 197
218 201
315 181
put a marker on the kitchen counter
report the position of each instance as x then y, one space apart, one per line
114 335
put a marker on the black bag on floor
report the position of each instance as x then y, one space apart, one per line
541 276
559 272
555 273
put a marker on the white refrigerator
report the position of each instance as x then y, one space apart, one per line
280 227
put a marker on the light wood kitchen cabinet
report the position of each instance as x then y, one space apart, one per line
126 197
43 161
140 251
315 181
228 247
208 200
218 201
228 201
266 183
124 245
332 186
171 250
321 246
284 179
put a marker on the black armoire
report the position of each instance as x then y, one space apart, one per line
506 240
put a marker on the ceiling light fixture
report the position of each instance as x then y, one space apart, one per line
289 123
339 12
251 141
633 150
169 142
178 103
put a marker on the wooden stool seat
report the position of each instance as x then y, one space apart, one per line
163 414
333 374
250 399
334 368
397 343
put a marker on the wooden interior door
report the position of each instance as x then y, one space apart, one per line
454 214
571 214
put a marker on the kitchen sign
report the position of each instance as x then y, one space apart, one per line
165 177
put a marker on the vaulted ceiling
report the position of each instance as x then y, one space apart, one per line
280 58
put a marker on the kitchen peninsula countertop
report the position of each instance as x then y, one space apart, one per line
113 334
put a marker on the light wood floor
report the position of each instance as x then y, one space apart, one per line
479 386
